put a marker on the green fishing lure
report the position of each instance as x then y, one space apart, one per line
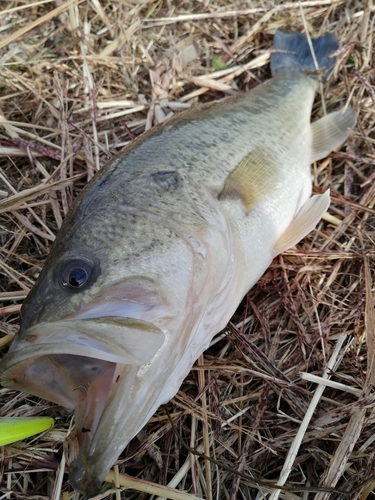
14 429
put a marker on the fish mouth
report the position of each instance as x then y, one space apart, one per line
77 382
79 363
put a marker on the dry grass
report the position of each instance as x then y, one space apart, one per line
286 392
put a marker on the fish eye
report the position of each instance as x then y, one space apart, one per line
76 273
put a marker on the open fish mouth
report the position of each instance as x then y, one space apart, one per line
78 363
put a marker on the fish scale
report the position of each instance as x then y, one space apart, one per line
238 122
162 245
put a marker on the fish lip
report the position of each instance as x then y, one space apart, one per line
26 353
112 338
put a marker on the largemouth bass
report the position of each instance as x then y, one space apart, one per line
161 247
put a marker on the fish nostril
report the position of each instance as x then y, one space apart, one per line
31 338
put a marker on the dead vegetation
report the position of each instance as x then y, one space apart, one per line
285 394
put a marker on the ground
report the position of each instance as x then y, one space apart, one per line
285 392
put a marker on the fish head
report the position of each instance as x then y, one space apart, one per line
88 324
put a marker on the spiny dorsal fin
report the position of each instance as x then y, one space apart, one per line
329 132
252 178
306 219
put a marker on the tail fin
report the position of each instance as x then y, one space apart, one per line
295 53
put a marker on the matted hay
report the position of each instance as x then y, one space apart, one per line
285 393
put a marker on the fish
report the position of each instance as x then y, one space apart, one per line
162 245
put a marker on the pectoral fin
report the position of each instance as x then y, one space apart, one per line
331 131
252 178
306 219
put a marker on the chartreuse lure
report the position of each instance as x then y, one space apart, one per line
14 429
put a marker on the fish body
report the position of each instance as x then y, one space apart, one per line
160 249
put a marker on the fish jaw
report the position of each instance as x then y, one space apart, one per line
60 362
86 385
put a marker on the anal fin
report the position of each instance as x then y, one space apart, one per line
329 132
306 219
